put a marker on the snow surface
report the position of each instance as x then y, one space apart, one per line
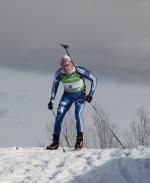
31 165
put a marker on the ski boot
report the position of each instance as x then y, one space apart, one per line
79 142
55 143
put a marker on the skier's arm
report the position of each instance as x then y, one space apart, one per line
93 80
55 85
87 75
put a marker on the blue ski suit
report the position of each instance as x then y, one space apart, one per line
74 90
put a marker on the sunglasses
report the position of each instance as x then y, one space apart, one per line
66 65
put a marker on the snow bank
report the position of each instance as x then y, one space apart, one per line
33 165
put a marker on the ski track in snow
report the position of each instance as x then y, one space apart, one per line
35 165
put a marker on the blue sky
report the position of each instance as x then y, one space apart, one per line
110 38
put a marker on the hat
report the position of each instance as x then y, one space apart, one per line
65 60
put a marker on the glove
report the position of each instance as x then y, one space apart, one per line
50 105
88 98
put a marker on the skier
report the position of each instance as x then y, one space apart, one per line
72 78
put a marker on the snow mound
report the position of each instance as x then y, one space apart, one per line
35 165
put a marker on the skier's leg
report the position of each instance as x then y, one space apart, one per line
63 107
79 105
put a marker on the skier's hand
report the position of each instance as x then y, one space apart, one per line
50 105
88 98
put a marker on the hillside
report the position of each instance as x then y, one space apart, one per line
33 165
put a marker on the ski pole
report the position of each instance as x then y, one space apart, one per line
108 126
63 132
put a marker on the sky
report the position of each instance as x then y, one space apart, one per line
110 38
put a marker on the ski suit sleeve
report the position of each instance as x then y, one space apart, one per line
87 75
55 85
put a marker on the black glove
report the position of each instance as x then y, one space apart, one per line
88 98
50 105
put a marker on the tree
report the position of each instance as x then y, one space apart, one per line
139 134
103 136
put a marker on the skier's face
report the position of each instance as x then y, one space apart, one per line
67 67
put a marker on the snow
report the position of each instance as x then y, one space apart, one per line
33 165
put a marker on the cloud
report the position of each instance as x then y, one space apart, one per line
22 96
111 38
3 112
2 94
